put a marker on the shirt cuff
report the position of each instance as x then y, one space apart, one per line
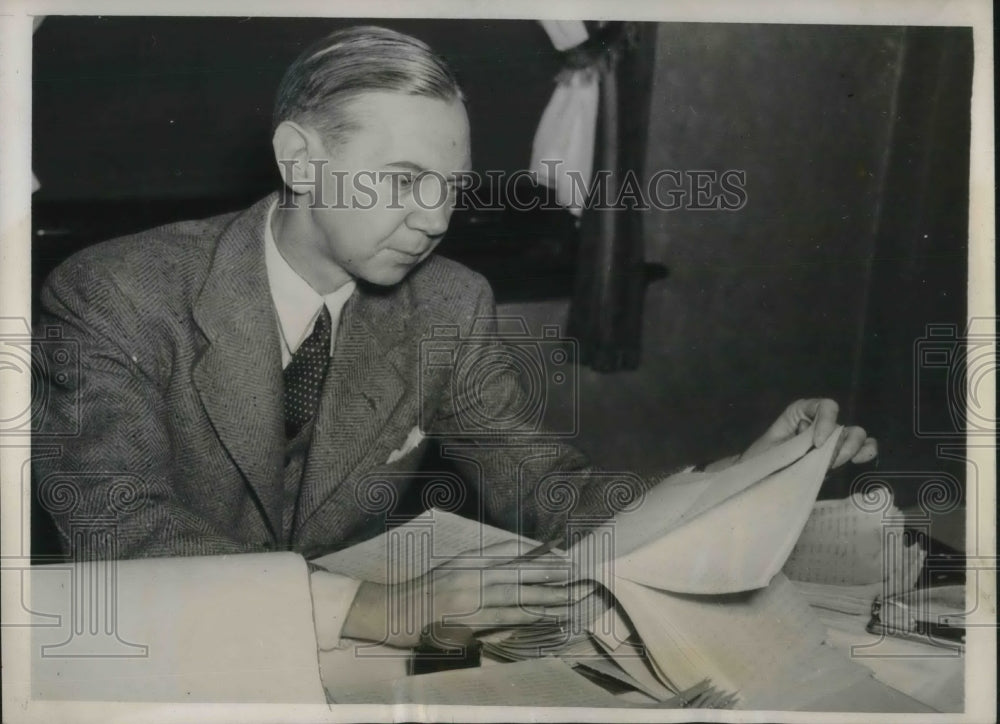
332 596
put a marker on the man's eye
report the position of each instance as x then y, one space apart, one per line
404 181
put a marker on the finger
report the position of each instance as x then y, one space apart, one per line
805 408
528 572
825 415
854 438
867 453
487 618
545 561
512 594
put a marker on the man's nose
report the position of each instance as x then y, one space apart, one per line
432 220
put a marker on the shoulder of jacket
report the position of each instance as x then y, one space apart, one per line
163 261
443 282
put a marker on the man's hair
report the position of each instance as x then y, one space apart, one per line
317 87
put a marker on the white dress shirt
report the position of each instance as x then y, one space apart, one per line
297 305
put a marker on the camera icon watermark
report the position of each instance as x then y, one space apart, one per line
500 384
50 361
923 596
378 494
84 590
954 380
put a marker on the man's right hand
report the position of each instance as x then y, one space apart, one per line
483 589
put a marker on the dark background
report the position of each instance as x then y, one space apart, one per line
180 108
854 238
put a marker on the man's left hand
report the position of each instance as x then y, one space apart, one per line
855 446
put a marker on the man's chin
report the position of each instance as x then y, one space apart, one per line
388 276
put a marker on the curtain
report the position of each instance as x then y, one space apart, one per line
611 273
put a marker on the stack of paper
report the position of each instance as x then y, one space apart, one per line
849 553
695 576
714 533
846 543
431 539
532 642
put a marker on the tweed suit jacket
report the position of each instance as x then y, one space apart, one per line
178 403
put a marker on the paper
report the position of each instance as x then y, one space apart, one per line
416 547
854 600
608 669
742 541
247 624
696 571
719 533
694 533
913 668
846 544
767 645
532 642
633 661
538 682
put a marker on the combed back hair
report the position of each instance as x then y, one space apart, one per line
317 87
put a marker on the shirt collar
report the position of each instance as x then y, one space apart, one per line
297 304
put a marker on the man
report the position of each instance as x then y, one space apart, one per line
249 377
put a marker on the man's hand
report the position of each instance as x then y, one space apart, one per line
481 589
855 446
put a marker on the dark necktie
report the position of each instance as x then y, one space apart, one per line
304 375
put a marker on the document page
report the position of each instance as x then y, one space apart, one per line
766 645
681 497
412 549
743 540
846 542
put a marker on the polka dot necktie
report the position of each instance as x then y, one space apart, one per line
304 375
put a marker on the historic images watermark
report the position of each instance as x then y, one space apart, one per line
491 386
953 376
48 359
495 190
87 609
416 556
500 379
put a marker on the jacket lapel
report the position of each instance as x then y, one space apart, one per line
239 373
372 368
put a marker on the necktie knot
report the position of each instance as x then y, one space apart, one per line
305 373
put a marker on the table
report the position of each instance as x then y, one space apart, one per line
239 629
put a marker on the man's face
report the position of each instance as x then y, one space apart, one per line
389 189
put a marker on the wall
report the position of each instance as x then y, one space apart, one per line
769 303
180 107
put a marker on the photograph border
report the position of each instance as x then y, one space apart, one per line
15 244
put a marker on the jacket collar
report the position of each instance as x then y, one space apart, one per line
239 375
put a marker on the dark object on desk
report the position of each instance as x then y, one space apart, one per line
933 616
944 566
443 648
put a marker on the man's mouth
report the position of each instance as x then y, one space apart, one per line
409 254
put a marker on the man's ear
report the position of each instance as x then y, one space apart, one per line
291 143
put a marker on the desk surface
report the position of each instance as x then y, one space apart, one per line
180 634
933 676
928 679
203 629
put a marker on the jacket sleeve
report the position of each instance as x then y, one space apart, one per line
109 487
534 484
